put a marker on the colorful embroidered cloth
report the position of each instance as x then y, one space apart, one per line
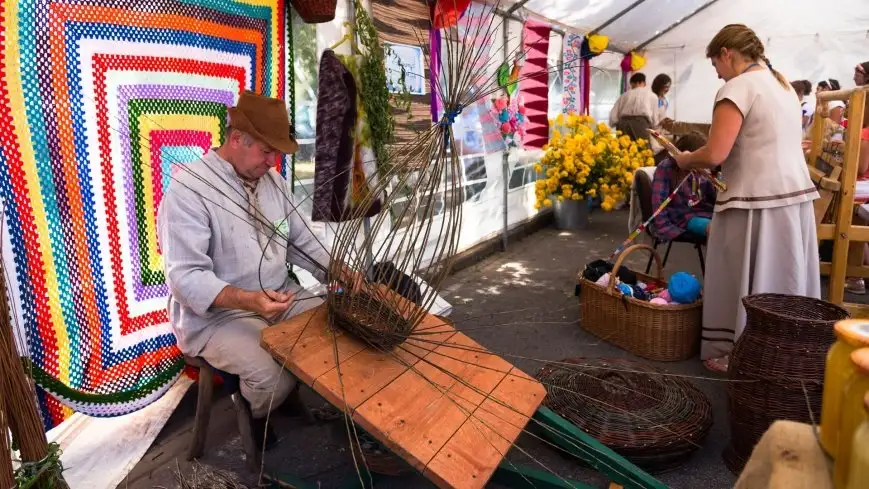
572 71
102 98
534 86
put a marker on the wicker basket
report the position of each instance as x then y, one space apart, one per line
656 332
315 11
777 366
654 420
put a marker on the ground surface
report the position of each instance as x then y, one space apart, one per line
536 276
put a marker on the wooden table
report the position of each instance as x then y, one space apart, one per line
451 409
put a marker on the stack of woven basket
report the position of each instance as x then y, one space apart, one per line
654 420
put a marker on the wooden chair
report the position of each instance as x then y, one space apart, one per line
203 413
644 192
833 167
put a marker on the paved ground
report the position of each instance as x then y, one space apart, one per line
535 275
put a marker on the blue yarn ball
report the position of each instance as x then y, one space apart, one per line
684 288
505 116
626 289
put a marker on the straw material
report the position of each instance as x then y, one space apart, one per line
655 421
656 332
7 477
782 355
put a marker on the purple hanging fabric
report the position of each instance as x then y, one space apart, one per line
435 72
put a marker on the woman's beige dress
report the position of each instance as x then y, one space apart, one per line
762 237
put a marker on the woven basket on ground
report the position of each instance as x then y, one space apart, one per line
656 332
315 11
655 421
778 363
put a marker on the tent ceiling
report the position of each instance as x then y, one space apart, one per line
638 25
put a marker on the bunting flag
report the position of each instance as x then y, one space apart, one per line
475 28
104 100
573 98
534 85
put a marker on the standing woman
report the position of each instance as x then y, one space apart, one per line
661 87
762 235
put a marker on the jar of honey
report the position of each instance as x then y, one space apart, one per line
853 414
851 334
858 472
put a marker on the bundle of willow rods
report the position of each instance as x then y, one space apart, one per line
16 390
7 478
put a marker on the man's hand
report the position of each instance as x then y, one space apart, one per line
269 303
352 279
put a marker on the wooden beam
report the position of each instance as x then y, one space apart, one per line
516 6
844 231
858 311
856 233
674 25
842 95
850 271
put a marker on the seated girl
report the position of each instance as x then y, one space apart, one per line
679 218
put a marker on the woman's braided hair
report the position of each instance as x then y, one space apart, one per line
742 39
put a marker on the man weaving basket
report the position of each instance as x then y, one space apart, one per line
228 227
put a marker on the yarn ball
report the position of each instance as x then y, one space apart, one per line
659 301
626 289
665 295
640 293
504 116
684 288
522 109
500 104
505 128
604 280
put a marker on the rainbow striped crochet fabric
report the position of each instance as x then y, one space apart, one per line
103 100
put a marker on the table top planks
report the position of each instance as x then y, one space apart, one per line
441 401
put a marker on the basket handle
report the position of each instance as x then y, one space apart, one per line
624 254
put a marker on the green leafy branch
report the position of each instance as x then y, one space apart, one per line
42 474
375 91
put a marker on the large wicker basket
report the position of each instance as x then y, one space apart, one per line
315 11
777 367
656 332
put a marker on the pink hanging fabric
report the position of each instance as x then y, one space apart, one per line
534 85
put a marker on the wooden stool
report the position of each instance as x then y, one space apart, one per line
203 413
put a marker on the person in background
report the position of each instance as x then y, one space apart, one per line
661 87
808 104
827 85
680 218
763 237
636 110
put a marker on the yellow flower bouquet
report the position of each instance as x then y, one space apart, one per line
585 159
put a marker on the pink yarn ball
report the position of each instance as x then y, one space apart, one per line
659 301
522 109
604 280
665 294
505 128
500 104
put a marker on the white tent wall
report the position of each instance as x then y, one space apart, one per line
802 42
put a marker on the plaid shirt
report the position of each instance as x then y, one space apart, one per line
673 220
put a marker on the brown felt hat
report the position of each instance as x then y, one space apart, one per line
264 118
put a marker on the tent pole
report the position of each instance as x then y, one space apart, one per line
616 17
674 25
